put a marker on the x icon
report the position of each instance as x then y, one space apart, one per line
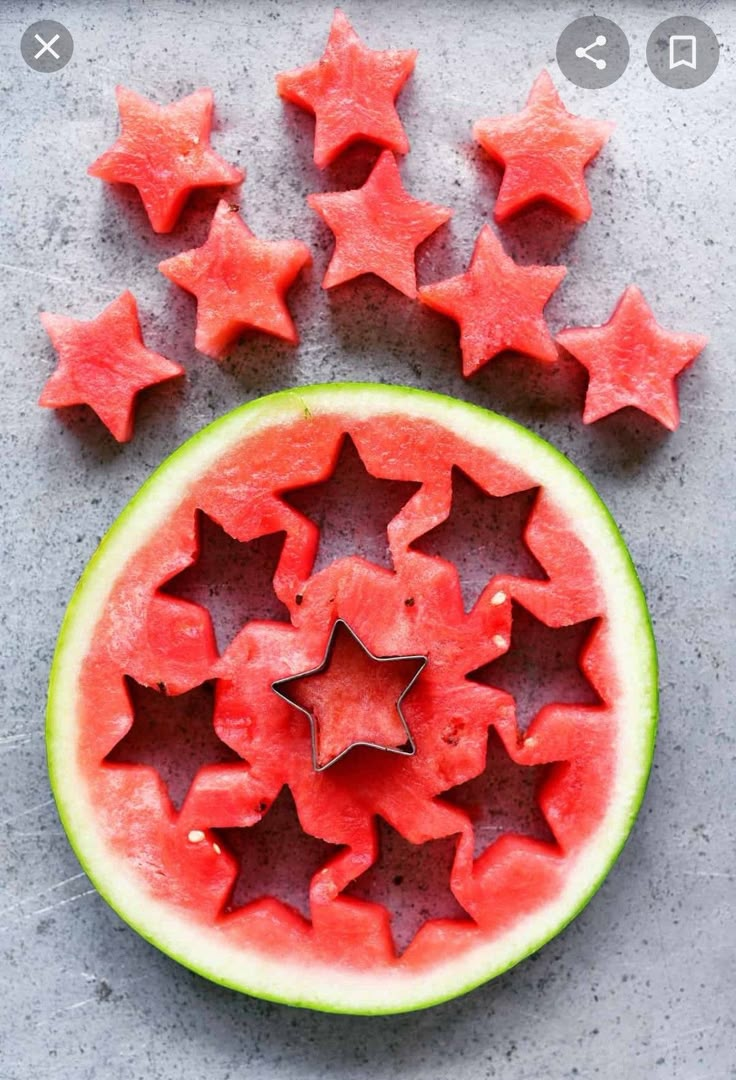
46 46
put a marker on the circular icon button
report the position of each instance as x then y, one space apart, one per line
47 46
683 52
592 52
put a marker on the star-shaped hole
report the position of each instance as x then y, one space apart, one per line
275 858
483 536
232 579
353 698
411 881
352 510
173 734
503 798
541 666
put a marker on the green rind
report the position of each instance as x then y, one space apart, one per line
302 395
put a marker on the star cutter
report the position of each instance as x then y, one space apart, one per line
408 749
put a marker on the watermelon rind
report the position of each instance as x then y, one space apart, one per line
319 986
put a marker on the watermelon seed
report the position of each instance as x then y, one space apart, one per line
217 849
409 601
299 599
500 641
196 836
498 598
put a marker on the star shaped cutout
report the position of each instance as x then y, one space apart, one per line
352 91
353 698
233 579
262 870
103 363
164 151
377 228
502 798
412 881
544 150
173 734
352 510
240 282
541 666
497 304
632 360
482 536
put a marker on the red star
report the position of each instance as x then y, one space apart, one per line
497 304
351 90
353 698
165 152
103 363
377 228
544 150
632 360
240 282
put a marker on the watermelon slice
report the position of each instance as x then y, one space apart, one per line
103 363
352 92
178 856
544 150
498 305
240 282
632 361
377 228
164 151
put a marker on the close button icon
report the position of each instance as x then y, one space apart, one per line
47 46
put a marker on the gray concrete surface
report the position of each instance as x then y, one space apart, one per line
641 985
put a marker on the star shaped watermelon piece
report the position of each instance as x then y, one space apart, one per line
352 92
103 363
240 282
498 305
632 360
377 228
353 698
543 150
164 151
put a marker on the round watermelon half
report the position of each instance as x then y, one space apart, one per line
172 868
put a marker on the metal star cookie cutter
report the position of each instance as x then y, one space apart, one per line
407 749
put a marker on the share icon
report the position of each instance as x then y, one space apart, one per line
592 52
583 52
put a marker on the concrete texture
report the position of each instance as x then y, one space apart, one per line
641 985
